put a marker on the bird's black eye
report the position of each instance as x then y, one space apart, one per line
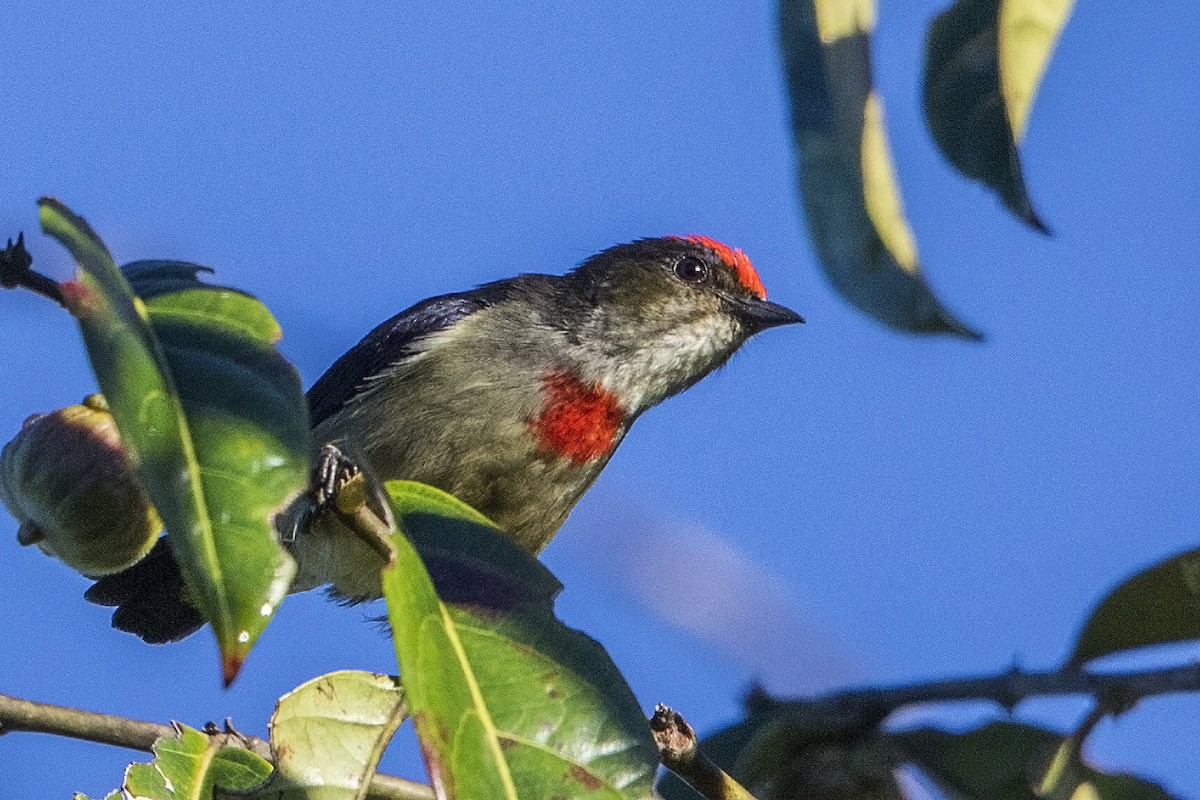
691 269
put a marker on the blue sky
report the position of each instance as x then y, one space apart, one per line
895 508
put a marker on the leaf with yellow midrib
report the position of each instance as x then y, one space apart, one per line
212 415
507 701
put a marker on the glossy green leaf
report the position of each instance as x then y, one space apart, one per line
507 701
191 766
1157 606
328 735
212 415
1007 761
984 60
844 166
172 291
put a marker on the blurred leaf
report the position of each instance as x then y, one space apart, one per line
1006 761
191 766
1029 31
328 735
1059 776
1157 606
779 756
984 60
212 416
786 758
507 701
847 180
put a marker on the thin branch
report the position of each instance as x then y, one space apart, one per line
15 263
1114 692
680 752
25 715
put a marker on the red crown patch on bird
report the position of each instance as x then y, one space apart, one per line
735 259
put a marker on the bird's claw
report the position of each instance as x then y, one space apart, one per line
334 470
341 486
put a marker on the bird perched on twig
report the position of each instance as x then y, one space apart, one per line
512 397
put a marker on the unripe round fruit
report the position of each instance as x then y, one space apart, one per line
68 480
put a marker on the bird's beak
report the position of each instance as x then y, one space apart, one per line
762 314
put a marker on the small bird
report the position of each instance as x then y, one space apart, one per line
512 397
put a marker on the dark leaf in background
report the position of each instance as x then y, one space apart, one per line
844 167
1157 606
984 60
1008 761
779 754
787 758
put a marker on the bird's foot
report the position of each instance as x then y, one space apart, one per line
342 487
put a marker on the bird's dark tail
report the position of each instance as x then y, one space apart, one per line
150 598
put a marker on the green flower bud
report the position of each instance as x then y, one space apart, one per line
68 480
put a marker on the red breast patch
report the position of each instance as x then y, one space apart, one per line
577 421
736 260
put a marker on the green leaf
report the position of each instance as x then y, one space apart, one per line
846 177
1157 606
507 701
328 735
984 60
212 415
1006 761
144 780
172 291
190 766
469 563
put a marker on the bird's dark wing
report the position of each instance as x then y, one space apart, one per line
396 339
387 344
